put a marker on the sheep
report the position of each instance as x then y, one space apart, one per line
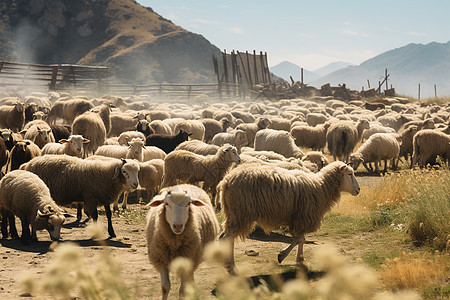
314 119
292 198
279 141
133 151
22 152
425 124
25 195
159 127
198 147
152 152
10 138
104 112
3 155
379 146
91 126
167 143
317 158
374 105
40 135
189 167
127 136
237 138
429 143
376 129
144 127
93 182
121 122
68 110
279 124
72 146
180 222
268 154
195 127
252 128
61 132
150 176
343 136
311 137
406 147
213 127
12 116
157 115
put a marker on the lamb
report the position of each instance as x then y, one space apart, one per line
429 143
311 137
406 147
12 116
167 143
91 126
292 198
22 152
279 141
40 135
72 146
188 167
180 222
25 195
133 151
150 176
198 147
127 136
93 182
237 138
252 128
317 158
380 146
343 136
195 127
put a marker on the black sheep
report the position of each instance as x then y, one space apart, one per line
167 143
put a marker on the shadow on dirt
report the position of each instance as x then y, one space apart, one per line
259 235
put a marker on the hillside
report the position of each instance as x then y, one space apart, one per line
332 67
286 69
408 66
139 45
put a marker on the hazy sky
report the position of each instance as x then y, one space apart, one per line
311 33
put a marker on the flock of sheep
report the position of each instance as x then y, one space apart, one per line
242 157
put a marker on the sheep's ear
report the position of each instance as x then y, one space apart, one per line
197 202
342 168
42 215
85 141
116 172
157 200
62 141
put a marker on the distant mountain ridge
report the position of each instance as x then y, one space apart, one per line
407 67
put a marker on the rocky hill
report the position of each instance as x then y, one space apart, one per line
139 45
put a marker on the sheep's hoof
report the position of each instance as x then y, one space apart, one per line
281 257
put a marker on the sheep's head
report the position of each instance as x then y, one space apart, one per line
349 183
50 219
75 143
20 107
177 206
130 170
231 153
45 134
136 145
355 160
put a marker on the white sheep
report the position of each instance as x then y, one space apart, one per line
25 195
198 147
379 146
317 158
91 126
93 182
213 127
376 129
133 151
186 167
314 119
237 138
252 128
152 152
279 141
180 222
40 135
195 127
428 144
72 146
121 122
12 116
292 199
159 127
127 136
311 137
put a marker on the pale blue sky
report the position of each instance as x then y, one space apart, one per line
311 33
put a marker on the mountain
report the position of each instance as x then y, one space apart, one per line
286 69
330 68
139 45
408 66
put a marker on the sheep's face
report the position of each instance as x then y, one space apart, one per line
231 153
355 160
136 145
349 183
51 220
75 143
177 205
130 170
45 134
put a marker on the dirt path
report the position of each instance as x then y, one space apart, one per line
129 251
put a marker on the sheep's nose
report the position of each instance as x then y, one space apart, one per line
177 228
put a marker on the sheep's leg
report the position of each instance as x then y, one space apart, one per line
108 216
12 226
116 205
190 278
368 168
79 211
5 219
165 282
125 199
296 241
26 235
377 169
300 258
33 234
230 265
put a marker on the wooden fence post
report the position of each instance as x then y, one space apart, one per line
435 92
419 93
54 77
